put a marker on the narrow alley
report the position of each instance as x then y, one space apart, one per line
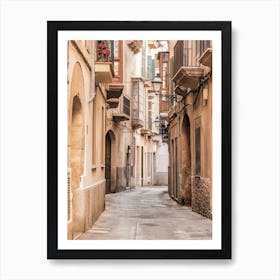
139 116
147 213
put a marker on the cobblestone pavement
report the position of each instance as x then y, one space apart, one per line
147 213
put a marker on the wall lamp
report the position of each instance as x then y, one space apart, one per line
161 125
157 83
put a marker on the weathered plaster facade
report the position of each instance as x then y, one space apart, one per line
190 133
86 182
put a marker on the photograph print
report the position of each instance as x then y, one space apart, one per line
143 140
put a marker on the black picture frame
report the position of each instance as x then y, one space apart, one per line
53 27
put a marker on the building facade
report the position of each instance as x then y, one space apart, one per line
190 126
86 131
132 141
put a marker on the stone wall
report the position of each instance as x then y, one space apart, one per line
121 179
88 204
201 196
94 204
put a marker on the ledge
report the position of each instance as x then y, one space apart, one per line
120 117
147 84
103 72
137 123
188 76
114 91
144 131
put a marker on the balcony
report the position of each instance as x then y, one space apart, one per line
180 55
187 52
137 111
147 84
103 72
188 76
145 131
124 111
137 123
120 117
113 102
114 91
206 58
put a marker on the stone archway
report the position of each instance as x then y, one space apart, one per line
110 162
76 139
186 162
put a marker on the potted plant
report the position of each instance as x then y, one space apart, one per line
103 51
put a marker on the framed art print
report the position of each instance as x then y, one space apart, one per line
139 140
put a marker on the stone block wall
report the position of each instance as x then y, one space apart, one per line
121 179
91 202
94 204
201 196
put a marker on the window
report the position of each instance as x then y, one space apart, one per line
135 98
201 47
150 68
150 113
126 106
116 68
165 56
164 95
116 48
164 65
117 60
164 74
137 102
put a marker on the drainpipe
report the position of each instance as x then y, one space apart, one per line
92 63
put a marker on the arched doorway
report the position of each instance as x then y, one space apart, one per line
186 162
110 162
76 138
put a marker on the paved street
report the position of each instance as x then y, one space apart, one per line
147 213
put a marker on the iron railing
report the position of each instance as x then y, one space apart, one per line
182 57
